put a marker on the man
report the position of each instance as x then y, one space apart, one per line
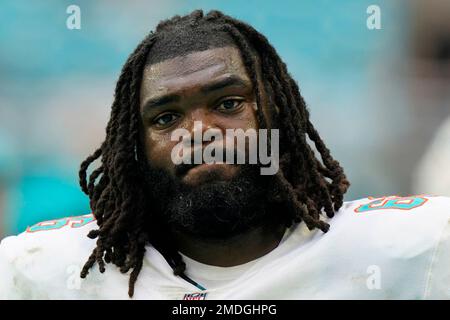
183 230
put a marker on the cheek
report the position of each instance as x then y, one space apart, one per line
250 117
252 120
158 148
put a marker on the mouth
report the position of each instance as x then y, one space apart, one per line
184 169
205 167
206 172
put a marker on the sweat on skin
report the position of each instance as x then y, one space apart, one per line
211 87
190 149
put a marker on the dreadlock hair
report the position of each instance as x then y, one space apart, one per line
308 185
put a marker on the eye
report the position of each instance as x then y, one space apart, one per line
165 119
230 105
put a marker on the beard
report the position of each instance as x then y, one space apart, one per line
216 209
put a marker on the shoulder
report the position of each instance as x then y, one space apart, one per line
400 238
382 248
45 252
51 235
376 248
419 212
395 221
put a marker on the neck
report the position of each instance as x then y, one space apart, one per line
235 250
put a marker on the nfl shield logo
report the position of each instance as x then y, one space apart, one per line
195 296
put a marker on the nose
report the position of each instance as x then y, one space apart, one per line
202 134
199 123
201 129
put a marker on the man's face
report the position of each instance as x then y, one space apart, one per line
210 86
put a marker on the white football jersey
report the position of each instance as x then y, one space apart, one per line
377 248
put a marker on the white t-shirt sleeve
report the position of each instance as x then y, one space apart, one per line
438 278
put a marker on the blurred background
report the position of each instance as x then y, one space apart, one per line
380 98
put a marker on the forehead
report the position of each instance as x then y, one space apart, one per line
191 70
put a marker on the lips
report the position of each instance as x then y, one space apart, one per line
183 168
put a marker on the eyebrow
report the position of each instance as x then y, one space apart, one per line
208 88
162 100
223 83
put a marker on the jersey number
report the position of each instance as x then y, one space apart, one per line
400 203
73 222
